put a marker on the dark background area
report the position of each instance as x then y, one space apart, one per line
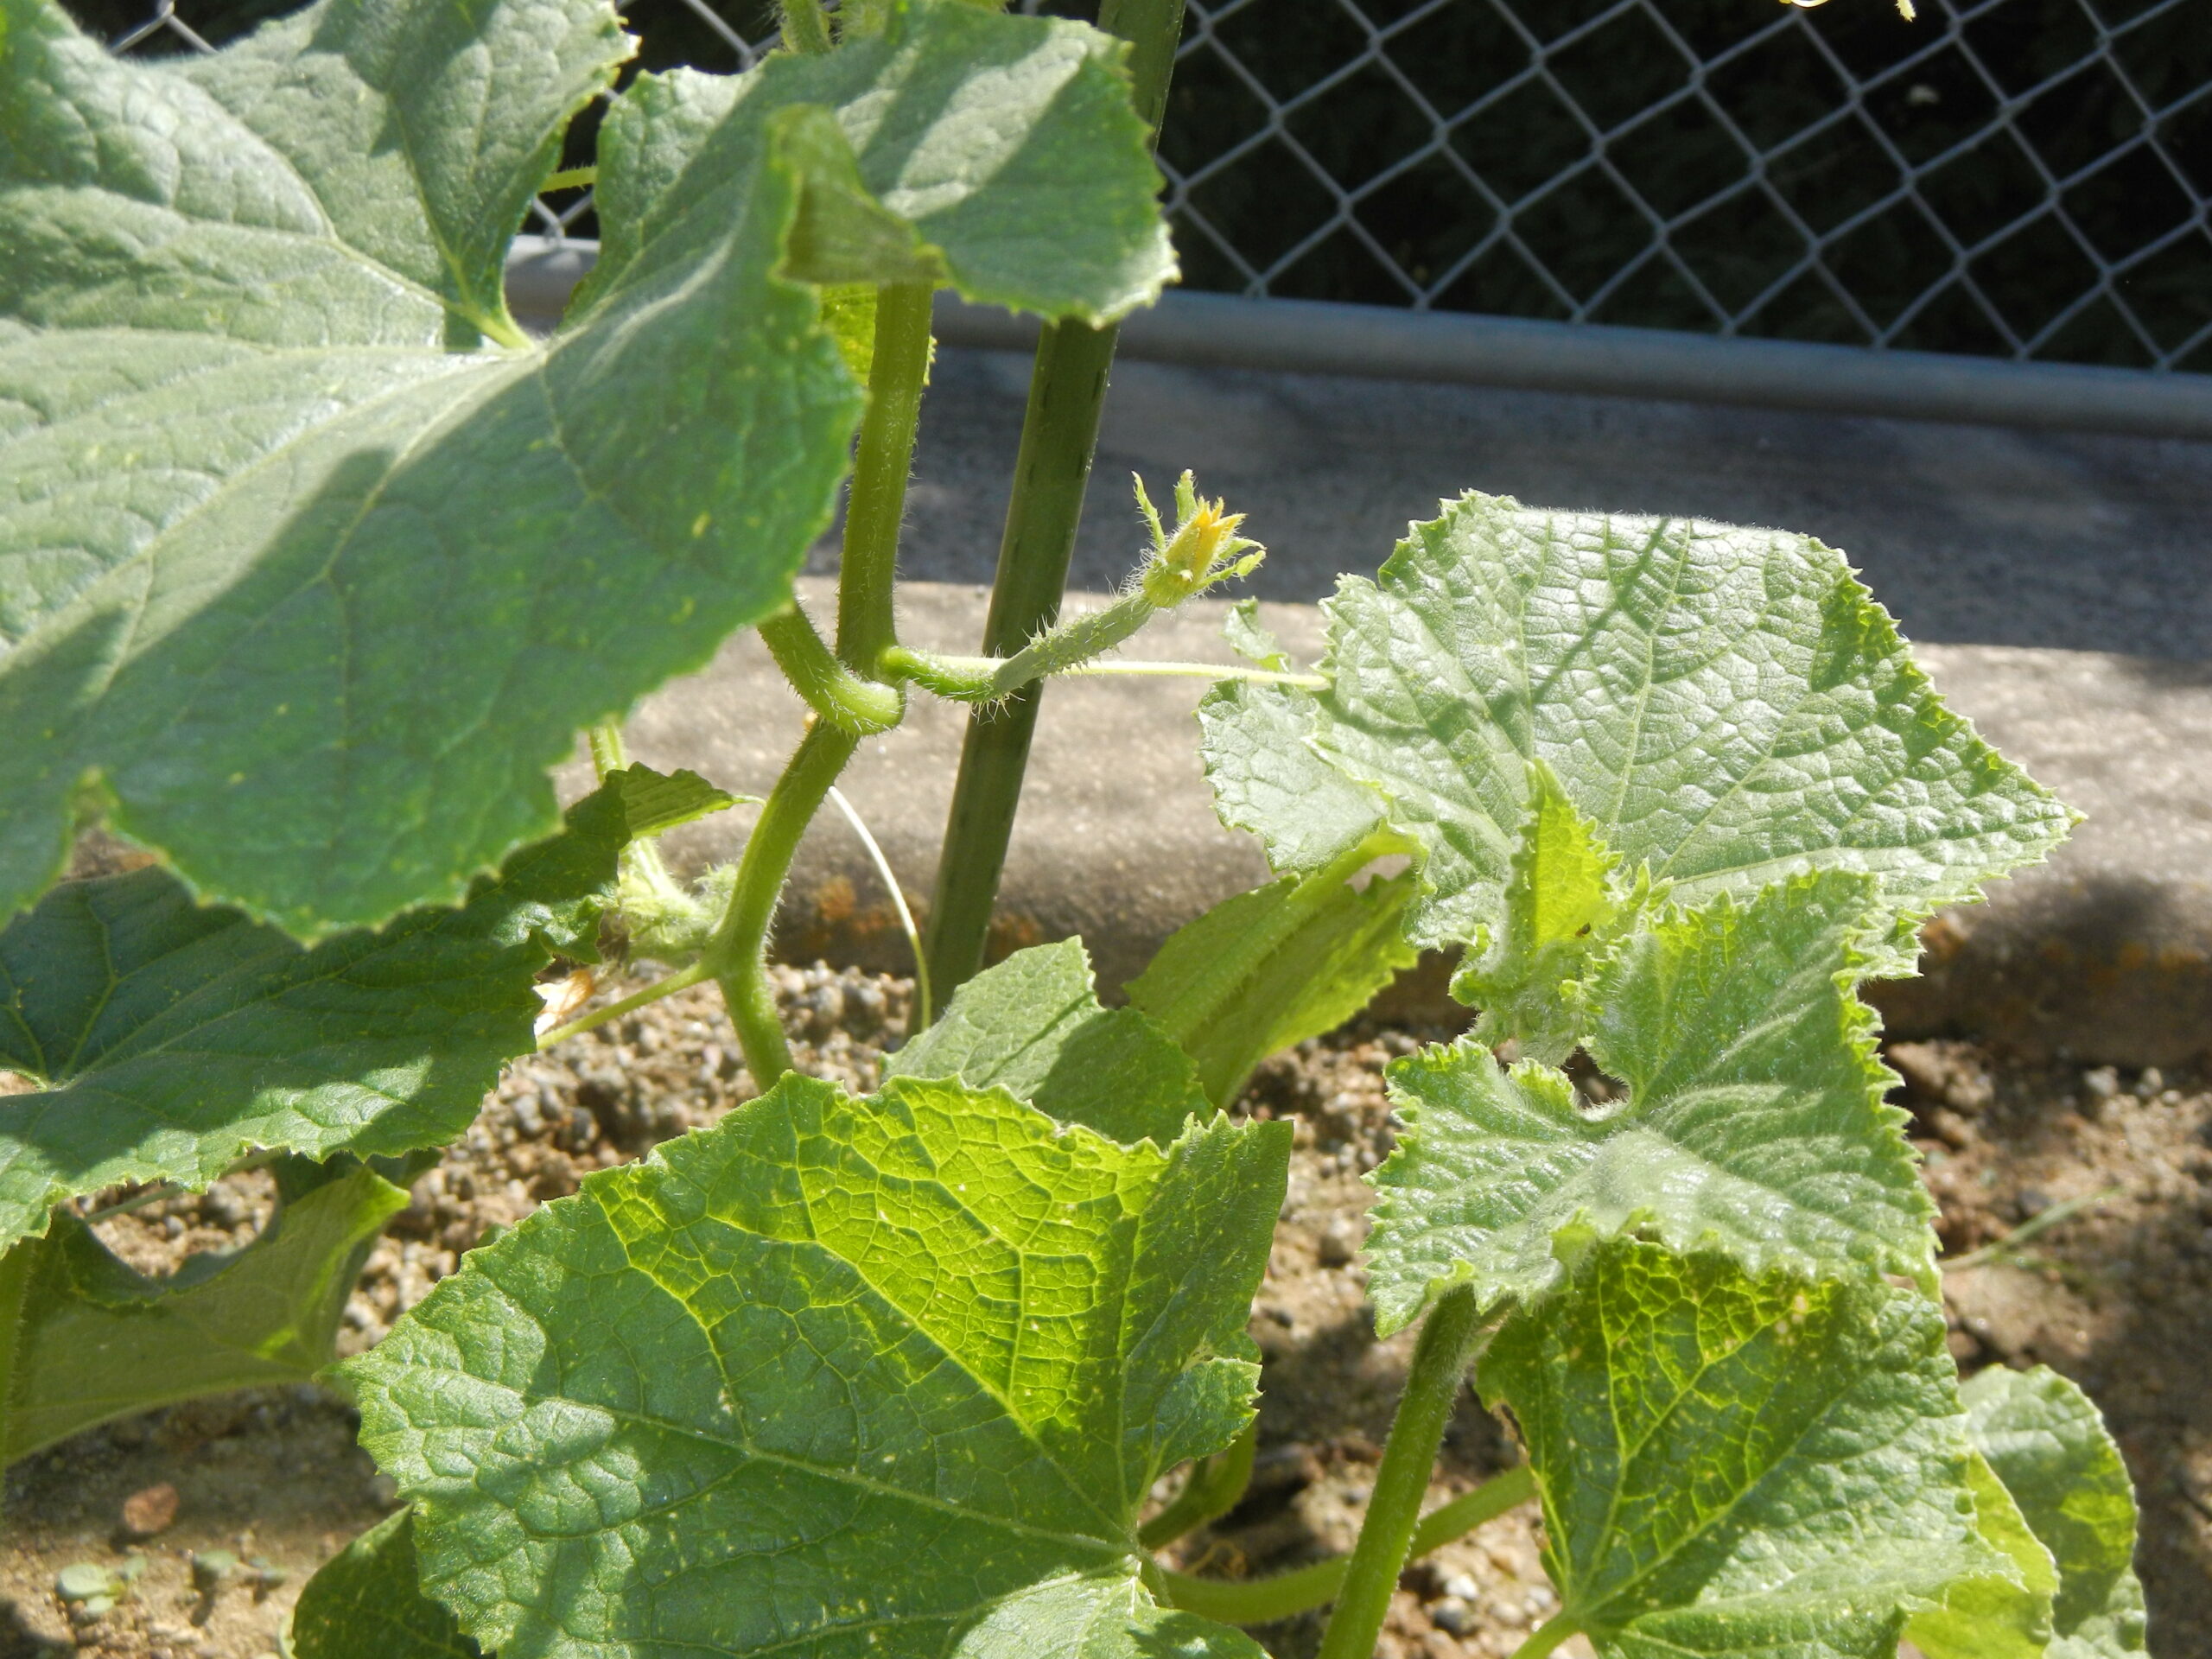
1591 114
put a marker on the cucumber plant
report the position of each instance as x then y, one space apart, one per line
312 563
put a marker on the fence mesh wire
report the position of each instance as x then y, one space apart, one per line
2018 178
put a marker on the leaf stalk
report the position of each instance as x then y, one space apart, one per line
1447 1343
832 689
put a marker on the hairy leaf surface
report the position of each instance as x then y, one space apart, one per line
1738 1465
1267 778
309 585
1754 1121
100 1340
1728 707
173 1037
888 1377
1033 1027
1272 967
2047 1442
366 1602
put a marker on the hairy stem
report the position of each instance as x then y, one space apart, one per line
805 26
829 687
1215 1484
1262 1601
737 955
1440 1360
868 566
1059 434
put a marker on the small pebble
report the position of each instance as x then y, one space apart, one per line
2150 1082
1464 1588
2102 1083
149 1511
1452 1614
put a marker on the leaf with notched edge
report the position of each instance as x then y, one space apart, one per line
891 1375
1754 1124
309 585
171 1037
1733 1465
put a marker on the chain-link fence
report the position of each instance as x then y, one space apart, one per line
2014 178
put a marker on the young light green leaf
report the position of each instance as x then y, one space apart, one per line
1728 707
1734 1465
891 1375
173 1037
1033 1027
366 1602
1267 778
2049 1445
1273 966
653 803
1246 636
99 1340
312 598
1754 1123
1559 905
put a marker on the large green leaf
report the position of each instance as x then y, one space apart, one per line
1754 1123
171 1037
2048 1444
1733 1465
1996 1616
308 585
1273 966
889 1376
1267 778
98 1340
366 1602
1033 1027
1728 707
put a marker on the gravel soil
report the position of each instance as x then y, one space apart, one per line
2117 1295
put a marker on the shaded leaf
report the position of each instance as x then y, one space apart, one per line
99 1340
1754 1123
171 1037
1737 1466
366 1602
2049 1445
894 1374
309 587
2000 1616
1033 1027
1272 967
1726 706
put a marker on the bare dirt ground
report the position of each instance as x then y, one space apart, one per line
2118 1296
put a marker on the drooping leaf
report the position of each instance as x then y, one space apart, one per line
1754 1121
2049 1445
307 586
1737 1466
889 1376
1728 707
1998 1615
1272 967
1268 780
366 1602
1033 1027
1559 904
173 1037
653 803
99 1340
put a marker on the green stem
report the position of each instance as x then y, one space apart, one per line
831 689
868 566
1059 434
1215 1484
805 28
607 755
16 1266
682 979
1548 1636
737 955
1262 1601
1440 1360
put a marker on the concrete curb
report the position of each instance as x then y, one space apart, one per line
2104 955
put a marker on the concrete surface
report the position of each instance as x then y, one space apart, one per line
1970 535
2105 954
